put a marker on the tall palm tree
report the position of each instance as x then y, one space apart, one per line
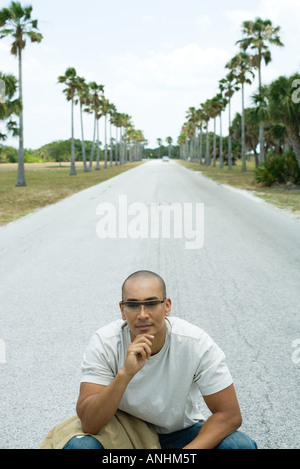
221 105
70 79
83 96
93 106
261 114
9 107
215 110
240 66
125 124
182 144
106 108
16 21
199 124
169 141
258 34
116 121
159 143
112 111
192 117
228 88
207 115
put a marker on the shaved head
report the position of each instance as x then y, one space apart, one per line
145 274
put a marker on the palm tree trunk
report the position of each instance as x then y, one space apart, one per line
201 146
244 167
85 170
207 156
93 145
261 125
116 147
72 169
221 144
229 140
121 146
97 168
293 135
215 145
21 168
261 143
105 149
111 146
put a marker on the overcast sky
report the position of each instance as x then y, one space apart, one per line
156 58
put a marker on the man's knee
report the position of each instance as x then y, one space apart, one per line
83 442
237 440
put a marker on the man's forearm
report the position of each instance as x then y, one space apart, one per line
214 430
97 410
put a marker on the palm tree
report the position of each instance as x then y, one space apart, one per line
222 103
189 129
207 115
215 111
192 117
228 87
9 106
169 141
125 120
182 143
16 21
240 66
199 125
93 106
106 108
258 34
116 121
83 96
261 113
284 109
159 143
112 112
71 81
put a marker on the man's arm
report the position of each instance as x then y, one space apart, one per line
97 404
225 419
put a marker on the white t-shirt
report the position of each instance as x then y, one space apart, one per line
167 390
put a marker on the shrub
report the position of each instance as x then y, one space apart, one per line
280 169
8 154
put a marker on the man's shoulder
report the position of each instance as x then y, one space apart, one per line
111 330
182 328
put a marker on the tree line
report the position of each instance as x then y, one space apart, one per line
16 22
91 99
273 122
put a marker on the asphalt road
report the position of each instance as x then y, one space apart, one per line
60 281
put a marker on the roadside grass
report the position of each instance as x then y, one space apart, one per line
281 196
47 183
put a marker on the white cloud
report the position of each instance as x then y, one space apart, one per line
168 81
187 66
148 19
204 21
285 13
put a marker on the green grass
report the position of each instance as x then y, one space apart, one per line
47 183
281 196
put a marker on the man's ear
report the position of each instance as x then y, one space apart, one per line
122 311
168 307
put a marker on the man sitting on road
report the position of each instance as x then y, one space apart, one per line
156 368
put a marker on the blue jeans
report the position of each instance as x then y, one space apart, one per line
176 440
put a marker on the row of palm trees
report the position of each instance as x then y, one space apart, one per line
258 35
91 99
16 22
